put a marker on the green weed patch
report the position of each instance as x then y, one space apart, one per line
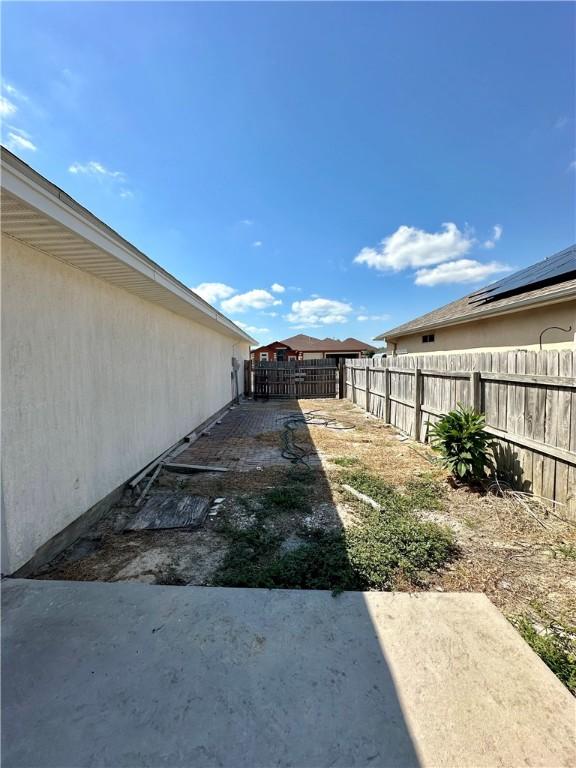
372 554
346 461
555 643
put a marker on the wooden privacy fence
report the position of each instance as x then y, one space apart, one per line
292 378
529 399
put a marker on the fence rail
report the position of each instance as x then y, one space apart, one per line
292 378
528 398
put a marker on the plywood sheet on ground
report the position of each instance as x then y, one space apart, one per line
170 510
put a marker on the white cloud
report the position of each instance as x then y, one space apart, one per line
251 328
247 222
496 235
411 247
12 91
460 271
257 243
19 140
97 170
363 318
315 312
67 88
277 288
562 122
572 166
257 298
6 107
213 292
270 314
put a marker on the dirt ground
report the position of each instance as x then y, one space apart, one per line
521 558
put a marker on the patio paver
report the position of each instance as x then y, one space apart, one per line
235 442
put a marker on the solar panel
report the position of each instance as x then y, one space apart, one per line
554 269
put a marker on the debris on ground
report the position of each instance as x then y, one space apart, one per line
277 523
187 469
170 510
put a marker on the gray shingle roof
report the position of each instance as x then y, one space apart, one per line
467 308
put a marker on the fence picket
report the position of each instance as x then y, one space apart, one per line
536 413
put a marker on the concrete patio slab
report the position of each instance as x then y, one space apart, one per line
126 675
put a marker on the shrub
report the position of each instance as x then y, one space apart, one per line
464 445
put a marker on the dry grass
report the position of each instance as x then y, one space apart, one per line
504 551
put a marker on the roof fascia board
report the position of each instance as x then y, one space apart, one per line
43 200
555 298
339 351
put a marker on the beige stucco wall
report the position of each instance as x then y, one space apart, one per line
512 331
96 382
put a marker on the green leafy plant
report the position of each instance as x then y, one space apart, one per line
396 540
555 643
463 444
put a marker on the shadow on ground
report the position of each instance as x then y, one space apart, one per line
147 675
222 677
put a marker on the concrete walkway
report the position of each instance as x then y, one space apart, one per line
126 675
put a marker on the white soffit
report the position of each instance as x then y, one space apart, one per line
40 214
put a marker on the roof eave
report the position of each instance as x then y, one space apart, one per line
560 295
35 191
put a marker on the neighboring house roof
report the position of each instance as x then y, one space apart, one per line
272 344
42 215
550 280
304 343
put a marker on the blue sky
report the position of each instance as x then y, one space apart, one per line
370 161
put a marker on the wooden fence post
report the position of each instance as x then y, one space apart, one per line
247 378
475 391
341 378
387 396
417 403
367 384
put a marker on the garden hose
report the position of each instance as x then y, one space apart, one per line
291 450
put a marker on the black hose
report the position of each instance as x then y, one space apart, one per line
291 450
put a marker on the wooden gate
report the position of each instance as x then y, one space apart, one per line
295 379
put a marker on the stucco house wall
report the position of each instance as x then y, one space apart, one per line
507 331
96 382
